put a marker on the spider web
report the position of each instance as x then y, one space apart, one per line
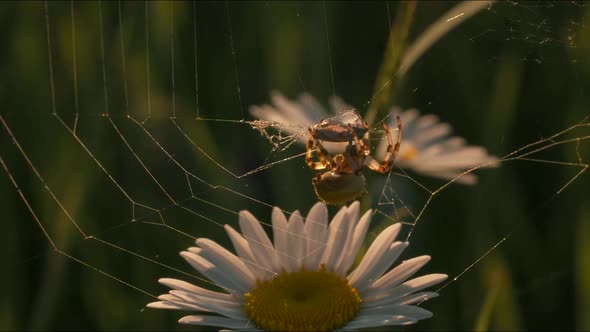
134 138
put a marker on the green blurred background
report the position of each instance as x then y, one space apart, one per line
513 74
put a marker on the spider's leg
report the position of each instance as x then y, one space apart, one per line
324 155
315 165
349 164
326 160
361 147
391 153
398 142
376 166
355 158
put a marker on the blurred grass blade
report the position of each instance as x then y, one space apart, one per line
506 315
55 270
398 34
436 30
482 323
583 268
394 63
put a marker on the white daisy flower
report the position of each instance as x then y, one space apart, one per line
426 147
302 280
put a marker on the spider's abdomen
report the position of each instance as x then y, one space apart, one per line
338 188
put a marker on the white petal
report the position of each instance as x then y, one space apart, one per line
354 211
245 253
457 176
231 309
228 262
352 215
190 288
175 305
465 158
338 233
280 229
377 320
316 229
294 111
260 244
425 121
164 305
410 311
169 301
407 117
417 297
337 104
297 242
491 162
178 301
433 133
400 273
168 297
453 143
375 260
195 250
358 237
393 295
240 244
279 118
267 113
429 153
269 117
392 255
315 112
215 321
209 270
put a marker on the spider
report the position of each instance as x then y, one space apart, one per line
344 180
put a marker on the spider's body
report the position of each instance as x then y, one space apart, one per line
336 188
336 129
344 180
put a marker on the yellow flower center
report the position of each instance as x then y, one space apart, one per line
302 301
410 153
